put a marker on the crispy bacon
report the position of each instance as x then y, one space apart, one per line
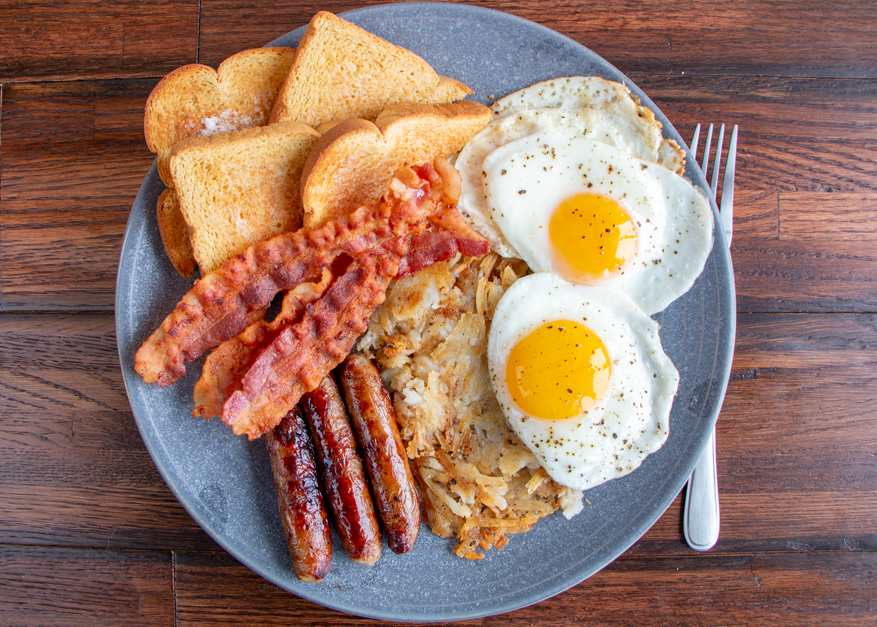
258 376
229 362
226 366
226 301
446 235
302 354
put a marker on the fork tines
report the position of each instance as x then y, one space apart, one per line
727 198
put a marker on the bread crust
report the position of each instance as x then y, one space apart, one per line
448 90
284 85
241 187
174 234
357 75
196 100
348 167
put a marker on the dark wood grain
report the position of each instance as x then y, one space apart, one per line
795 439
237 596
73 468
93 38
701 37
72 161
804 189
65 587
781 590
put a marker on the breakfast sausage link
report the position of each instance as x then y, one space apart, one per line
302 512
343 475
373 418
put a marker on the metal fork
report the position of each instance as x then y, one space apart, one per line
700 521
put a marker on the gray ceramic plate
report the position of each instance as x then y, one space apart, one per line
225 482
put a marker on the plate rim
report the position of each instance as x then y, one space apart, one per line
124 285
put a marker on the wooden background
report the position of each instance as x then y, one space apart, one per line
89 532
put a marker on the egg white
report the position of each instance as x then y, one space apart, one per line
528 178
629 422
473 198
614 115
578 106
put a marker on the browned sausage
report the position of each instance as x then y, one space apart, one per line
373 419
302 512
343 475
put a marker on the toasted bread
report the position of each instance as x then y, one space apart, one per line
174 234
196 100
353 162
344 72
447 90
348 167
241 187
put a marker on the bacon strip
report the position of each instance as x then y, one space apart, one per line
445 236
229 362
226 301
302 354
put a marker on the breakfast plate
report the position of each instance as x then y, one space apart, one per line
225 482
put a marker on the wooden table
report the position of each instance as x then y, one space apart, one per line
89 532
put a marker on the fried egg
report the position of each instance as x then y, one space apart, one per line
581 377
580 106
594 215
610 112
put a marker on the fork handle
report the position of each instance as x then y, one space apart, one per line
700 521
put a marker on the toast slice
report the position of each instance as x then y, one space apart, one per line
239 188
196 100
357 74
447 90
174 233
354 161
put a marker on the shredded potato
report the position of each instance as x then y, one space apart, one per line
478 480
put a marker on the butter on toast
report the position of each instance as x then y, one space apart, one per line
195 100
239 188
354 161
344 72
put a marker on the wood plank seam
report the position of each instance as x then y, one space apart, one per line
174 577
198 34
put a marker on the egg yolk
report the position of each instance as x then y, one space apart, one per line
592 237
558 371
